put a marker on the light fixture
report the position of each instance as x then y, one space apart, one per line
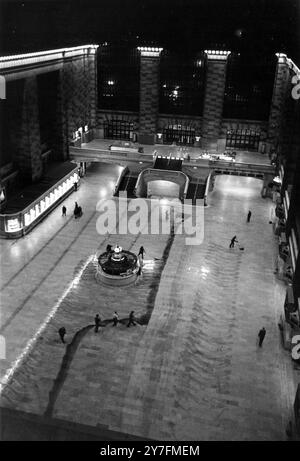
2 196
217 54
41 56
149 51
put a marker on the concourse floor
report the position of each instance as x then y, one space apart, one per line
191 368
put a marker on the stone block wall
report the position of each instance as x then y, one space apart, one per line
74 105
78 85
280 95
92 88
149 98
29 158
213 102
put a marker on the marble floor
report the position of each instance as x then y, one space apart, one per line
191 368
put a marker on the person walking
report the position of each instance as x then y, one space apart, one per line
76 210
97 323
233 241
108 248
75 186
62 332
115 319
64 211
131 319
249 216
141 252
261 335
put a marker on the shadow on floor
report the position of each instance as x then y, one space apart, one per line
21 426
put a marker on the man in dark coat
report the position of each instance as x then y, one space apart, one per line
261 335
97 323
62 332
131 319
141 252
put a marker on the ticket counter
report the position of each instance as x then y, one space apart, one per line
15 223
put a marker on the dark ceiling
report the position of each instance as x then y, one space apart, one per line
256 26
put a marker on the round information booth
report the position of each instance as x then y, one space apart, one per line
117 267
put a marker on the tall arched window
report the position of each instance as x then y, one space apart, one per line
118 78
182 80
249 86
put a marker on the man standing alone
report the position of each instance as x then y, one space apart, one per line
62 332
115 319
131 319
261 335
249 216
97 323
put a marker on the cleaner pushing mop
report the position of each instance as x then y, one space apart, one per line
233 241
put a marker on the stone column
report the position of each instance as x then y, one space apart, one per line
62 118
92 85
78 83
149 94
280 94
29 155
214 97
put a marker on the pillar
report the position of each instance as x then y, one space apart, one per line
149 94
214 97
92 85
280 90
29 155
78 89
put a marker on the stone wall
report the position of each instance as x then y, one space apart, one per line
74 105
149 98
29 158
280 96
213 102
78 83
211 126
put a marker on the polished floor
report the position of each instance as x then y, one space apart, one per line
191 368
